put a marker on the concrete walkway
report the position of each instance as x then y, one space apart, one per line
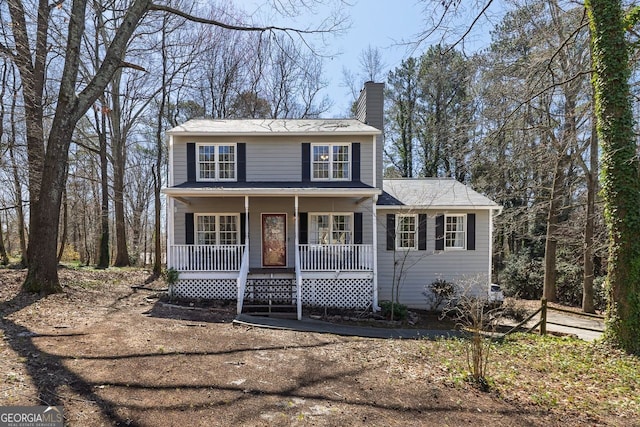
312 325
585 328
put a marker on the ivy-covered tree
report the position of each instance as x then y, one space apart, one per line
620 184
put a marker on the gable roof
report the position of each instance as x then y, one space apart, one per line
274 126
427 193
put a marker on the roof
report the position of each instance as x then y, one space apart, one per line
424 193
274 189
274 126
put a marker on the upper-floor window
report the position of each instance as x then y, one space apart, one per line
454 231
217 229
216 162
407 232
330 162
332 229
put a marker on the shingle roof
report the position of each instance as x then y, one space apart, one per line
271 126
432 193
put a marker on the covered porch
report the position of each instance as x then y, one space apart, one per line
307 246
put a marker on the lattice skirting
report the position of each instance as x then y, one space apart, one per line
338 293
205 289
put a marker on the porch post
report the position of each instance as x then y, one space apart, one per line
246 227
375 253
296 253
170 229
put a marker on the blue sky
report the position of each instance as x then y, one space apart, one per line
384 24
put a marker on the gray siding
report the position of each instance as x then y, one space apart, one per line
260 205
421 268
271 158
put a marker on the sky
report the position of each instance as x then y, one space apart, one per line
392 26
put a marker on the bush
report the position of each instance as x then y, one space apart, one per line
394 311
522 276
439 293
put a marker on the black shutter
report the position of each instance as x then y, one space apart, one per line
471 232
355 162
440 233
191 162
357 228
391 232
188 228
303 228
243 227
422 232
242 162
306 162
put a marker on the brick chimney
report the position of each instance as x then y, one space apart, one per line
370 110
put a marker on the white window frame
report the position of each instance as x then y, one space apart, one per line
463 232
216 161
217 231
330 161
399 232
311 231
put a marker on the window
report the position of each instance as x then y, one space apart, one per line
216 162
329 229
330 162
217 229
454 231
407 233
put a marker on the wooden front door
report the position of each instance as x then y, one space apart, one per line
274 240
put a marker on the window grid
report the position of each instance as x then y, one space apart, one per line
217 229
331 229
331 162
406 236
217 162
454 233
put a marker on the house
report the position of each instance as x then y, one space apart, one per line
296 212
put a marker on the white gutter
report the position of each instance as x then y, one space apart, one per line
273 192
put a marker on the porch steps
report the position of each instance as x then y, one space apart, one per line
272 297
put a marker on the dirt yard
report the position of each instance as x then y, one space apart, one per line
112 355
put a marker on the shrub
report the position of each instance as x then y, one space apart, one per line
393 310
522 276
439 293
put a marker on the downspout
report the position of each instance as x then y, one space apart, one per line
492 212
376 307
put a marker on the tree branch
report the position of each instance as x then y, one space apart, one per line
200 20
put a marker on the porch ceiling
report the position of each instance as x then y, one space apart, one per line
272 189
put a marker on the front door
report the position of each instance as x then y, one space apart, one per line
274 240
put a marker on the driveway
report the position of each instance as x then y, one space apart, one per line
585 327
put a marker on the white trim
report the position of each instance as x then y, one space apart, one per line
464 230
216 161
170 166
415 232
375 166
271 192
375 253
440 208
331 215
217 232
330 160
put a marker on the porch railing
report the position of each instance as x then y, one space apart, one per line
242 281
206 257
336 257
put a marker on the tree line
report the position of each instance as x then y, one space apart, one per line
89 89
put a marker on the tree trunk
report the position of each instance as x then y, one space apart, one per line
551 243
592 184
4 259
103 251
620 183
118 147
65 221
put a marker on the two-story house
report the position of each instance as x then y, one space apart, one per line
297 211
